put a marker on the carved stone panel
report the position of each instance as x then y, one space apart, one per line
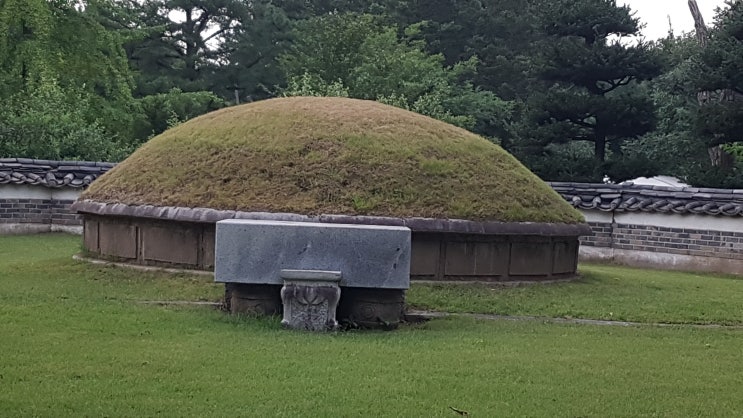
310 299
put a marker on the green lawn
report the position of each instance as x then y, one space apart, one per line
602 292
75 342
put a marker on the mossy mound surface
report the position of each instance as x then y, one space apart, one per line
331 156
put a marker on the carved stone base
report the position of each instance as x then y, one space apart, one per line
252 299
310 299
372 308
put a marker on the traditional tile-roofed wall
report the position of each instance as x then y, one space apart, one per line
629 197
35 195
48 173
684 228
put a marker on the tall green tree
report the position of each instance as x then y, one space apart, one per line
60 40
54 123
501 34
673 145
591 70
26 37
178 43
298 10
251 69
716 115
227 47
719 70
56 51
362 57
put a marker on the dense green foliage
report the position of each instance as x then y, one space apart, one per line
65 83
567 86
589 76
68 86
720 70
366 59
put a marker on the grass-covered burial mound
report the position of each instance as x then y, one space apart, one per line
475 213
310 155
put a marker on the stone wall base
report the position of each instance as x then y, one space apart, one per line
31 228
658 260
253 299
371 308
443 256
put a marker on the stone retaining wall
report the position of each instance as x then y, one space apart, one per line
443 250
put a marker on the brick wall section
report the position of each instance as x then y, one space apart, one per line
601 235
666 240
40 211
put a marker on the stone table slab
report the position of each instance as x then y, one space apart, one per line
256 251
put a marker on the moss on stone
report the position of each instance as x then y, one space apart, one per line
331 156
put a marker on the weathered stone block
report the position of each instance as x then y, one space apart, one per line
372 308
249 251
425 256
90 235
566 257
118 240
310 298
253 299
531 257
171 244
477 258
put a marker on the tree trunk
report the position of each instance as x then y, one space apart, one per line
616 148
718 157
699 26
599 148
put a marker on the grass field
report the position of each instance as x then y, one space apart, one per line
602 292
76 341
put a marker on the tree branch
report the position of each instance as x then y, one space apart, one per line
582 123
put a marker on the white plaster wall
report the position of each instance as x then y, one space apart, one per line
23 229
65 193
18 191
598 216
15 191
69 229
703 222
662 260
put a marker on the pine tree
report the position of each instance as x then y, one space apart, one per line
592 69
718 72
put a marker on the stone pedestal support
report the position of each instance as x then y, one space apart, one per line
253 299
372 308
310 299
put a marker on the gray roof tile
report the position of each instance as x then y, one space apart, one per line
55 174
659 199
